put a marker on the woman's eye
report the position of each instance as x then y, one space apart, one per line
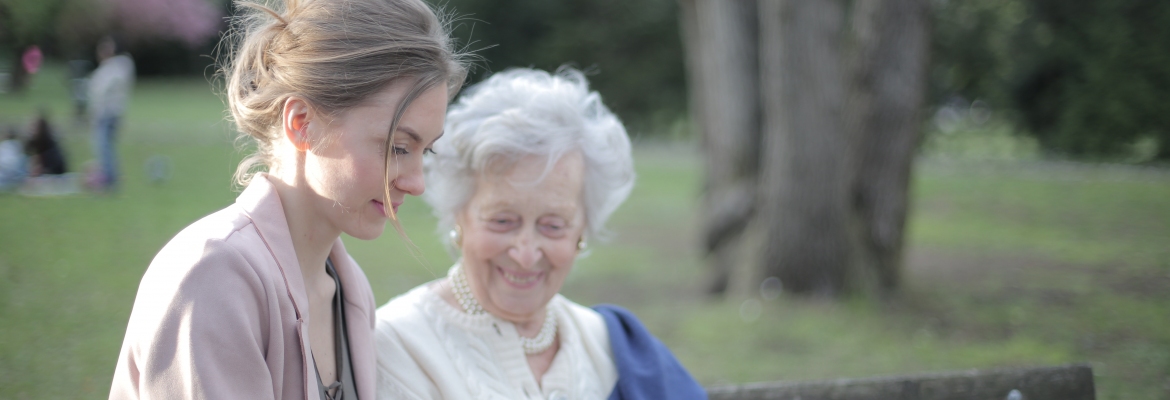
553 229
502 223
401 151
428 151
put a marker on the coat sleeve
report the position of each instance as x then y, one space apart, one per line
197 331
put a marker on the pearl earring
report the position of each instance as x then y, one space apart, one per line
581 244
456 236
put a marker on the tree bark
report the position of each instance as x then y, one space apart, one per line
810 118
720 39
887 76
808 171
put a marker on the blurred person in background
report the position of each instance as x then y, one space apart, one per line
109 91
13 163
530 168
45 154
79 71
261 300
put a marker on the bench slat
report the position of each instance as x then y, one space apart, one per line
1066 382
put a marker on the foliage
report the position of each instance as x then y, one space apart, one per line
190 21
631 48
1087 78
70 28
25 22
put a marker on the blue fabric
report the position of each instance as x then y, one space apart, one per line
105 136
646 368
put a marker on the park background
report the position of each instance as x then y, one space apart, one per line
1035 235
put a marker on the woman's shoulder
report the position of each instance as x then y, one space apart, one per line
407 308
216 243
585 319
219 226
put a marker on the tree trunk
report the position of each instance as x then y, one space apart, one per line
720 39
810 117
807 173
887 76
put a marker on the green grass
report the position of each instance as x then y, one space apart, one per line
1009 263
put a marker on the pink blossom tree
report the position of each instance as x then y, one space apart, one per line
189 21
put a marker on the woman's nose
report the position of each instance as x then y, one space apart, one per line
525 251
411 181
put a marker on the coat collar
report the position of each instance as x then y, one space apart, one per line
261 203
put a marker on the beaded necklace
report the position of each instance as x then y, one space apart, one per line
466 299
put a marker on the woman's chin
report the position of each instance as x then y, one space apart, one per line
368 231
522 309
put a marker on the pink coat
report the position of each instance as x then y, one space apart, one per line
222 313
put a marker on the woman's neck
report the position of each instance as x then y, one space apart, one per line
526 328
531 327
312 239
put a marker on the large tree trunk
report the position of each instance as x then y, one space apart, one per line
807 173
720 38
887 75
835 99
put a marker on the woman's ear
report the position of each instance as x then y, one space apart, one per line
295 118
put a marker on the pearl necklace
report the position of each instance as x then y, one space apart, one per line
466 299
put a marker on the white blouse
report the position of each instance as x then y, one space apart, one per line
428 349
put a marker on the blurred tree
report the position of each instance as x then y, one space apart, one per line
71 28
840 87
190 22
1102 82
24 23
631 49
1085 77
723 74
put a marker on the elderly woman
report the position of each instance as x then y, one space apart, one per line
529 169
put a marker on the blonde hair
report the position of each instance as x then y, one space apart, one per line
334 54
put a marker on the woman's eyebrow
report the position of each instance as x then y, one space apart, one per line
411 133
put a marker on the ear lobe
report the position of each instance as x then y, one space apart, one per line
295 123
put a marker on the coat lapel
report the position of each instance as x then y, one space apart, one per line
262 205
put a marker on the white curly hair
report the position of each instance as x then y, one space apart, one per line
523 112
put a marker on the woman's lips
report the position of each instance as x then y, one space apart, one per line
395 205
381 208
520 280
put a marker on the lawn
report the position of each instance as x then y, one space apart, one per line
1009 263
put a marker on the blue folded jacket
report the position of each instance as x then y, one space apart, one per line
646 368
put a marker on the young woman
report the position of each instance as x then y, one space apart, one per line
260 300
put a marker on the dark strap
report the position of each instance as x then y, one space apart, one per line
344 387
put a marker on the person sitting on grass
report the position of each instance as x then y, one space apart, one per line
13 163
45 154
261 300
531 166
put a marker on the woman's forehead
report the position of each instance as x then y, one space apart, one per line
525 188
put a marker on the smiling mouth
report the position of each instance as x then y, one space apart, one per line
524 280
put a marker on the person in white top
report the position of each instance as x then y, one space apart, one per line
530 167
109 91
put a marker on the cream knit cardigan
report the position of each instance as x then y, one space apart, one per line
428 349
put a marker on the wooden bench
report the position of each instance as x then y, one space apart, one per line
1065 382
